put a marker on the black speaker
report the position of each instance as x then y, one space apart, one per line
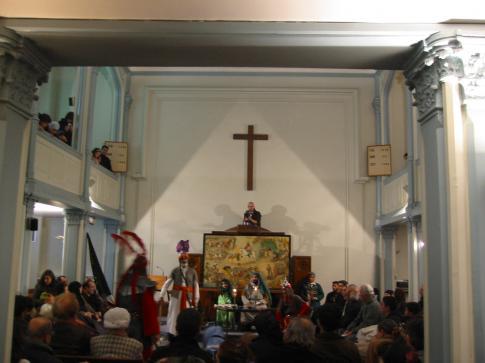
32 224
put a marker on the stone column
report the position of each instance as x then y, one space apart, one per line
434 75
111 255
473 97
74 253
388 235
22 67
413 283
25 282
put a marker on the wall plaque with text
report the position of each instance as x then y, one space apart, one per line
379 160
118 153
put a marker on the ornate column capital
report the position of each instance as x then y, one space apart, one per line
74 216
440 56
22 67
388 232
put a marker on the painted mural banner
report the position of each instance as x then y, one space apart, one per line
235 257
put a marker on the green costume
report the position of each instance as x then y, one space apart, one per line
224 318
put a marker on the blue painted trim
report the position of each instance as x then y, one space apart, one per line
394 176
387 90
47 193
410 148
399 216
89 136
32 143
54 140
79 106
252 73
106 212
117 100
378 125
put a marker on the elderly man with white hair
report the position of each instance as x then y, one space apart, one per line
116 343
370 312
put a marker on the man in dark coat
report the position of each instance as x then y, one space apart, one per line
252 217
37 349
184 343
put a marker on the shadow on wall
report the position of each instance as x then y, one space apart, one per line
229 218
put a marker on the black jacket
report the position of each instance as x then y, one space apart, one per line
38 352
181 347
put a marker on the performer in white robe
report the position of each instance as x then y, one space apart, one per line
182 291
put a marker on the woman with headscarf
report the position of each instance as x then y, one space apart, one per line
255 296
225 318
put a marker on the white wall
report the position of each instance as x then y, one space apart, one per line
191 175
401 270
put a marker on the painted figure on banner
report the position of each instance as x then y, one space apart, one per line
135 293
181 288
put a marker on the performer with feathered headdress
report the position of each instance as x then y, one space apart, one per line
182 287
135 293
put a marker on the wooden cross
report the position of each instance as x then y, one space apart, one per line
250 136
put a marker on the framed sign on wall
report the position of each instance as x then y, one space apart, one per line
379 160
118 153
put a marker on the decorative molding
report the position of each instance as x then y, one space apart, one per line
74 216
22 67
442 56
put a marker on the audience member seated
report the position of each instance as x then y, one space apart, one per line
91 296
71 335
400 296
96 155
384 336
105 160
268 346
65 132
22 313
329 345
185 343
298 339
233 351
398 351
62 283
333 297
415 338
290 305
412 311
351 307
116 343
46 283
85 309
44 121
369 314
37 349
389 309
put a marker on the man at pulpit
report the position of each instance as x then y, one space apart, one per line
252 217
255 296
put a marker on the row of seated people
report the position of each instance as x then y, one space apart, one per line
360 316
61 130
302 340
374 324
